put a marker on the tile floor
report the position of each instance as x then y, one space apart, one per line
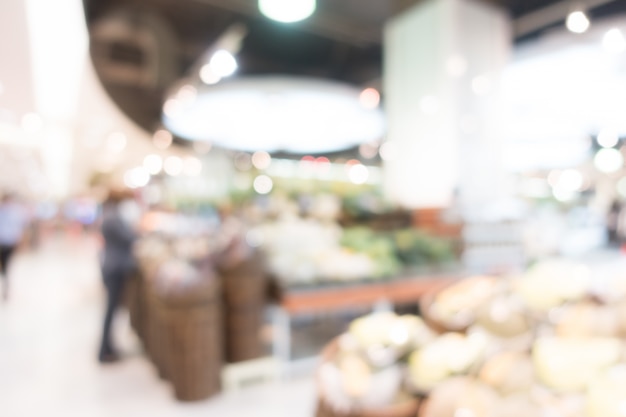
49 331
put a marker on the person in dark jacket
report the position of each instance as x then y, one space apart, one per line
117 264
12 225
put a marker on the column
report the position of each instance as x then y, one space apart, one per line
442 65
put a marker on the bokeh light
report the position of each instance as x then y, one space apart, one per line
358 174
202 147
263 184
571 180
136 177
577 22
368 150
614 42
243 161
608 160
223 63
192 166
261 160
208 76
187 93
287 11
369 98
172 107
153 164
388 151
162 139
173 166
608 138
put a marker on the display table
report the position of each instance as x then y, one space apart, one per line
337 297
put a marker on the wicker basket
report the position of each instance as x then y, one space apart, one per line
425 303
245 283
192 351
186 338
405 409
408 408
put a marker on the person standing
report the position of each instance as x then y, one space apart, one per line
117 263
12 224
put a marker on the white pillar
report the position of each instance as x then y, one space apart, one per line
442 65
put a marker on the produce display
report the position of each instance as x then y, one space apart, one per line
308 250
498 348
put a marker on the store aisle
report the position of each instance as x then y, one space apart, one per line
49 332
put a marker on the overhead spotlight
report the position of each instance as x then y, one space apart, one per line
577 22
223 63
287 11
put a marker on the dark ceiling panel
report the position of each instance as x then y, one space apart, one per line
342 41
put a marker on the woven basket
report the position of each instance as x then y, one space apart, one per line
186 337
192 350
245 283
425 303
408 408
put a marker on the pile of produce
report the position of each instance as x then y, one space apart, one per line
308 250
551 342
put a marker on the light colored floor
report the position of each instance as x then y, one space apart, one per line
49 332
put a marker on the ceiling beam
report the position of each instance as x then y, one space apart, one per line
550 15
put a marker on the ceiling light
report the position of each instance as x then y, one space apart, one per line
614 42
577 22
223 63
279 114
287 11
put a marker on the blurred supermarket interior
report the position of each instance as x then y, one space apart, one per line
298 208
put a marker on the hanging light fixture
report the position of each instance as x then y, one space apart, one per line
287 11
577 22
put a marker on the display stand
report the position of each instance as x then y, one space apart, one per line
368 294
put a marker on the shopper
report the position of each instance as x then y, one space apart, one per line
613 223
12 224
117 262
